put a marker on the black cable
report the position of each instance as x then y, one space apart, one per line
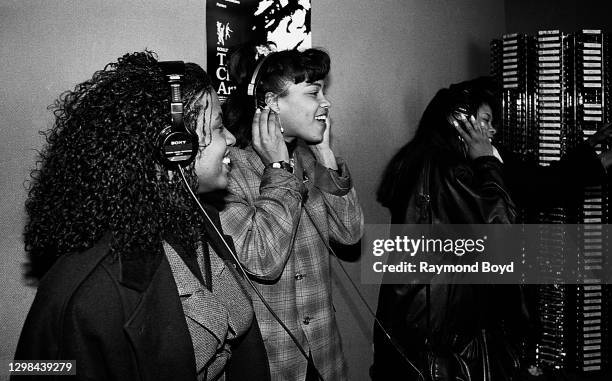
245 275
400 350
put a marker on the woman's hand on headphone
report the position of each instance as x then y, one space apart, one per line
475 138
268 140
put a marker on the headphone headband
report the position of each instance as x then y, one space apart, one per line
175 70
252 87
176 144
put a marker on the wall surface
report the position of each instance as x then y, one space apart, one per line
528 16
48 47
388 59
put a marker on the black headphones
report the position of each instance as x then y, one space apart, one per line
252 86
465 105
176 144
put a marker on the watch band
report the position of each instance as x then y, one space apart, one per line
281 165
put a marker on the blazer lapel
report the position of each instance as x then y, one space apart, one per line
213 237
191 260
158 331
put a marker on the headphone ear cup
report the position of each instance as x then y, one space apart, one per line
260 103
176 144
176 147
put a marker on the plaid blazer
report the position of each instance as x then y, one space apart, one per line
281 248
216 317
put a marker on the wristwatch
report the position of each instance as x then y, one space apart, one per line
281 165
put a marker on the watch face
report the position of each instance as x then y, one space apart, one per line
282 165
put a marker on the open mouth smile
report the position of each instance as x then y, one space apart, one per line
321 117
226 159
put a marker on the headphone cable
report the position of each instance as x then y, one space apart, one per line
245 274
396 346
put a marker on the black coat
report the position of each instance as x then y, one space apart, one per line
122 320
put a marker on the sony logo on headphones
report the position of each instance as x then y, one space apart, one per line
178 142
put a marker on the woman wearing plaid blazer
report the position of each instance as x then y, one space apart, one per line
289 196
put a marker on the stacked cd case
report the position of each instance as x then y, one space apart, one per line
590 103
554 139
519 99
555 90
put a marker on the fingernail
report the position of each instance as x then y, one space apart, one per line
455 123
258 110
472 119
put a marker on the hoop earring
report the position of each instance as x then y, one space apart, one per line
282 130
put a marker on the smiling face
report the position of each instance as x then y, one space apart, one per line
303 110
212 160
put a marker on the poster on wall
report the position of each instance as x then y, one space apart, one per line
286 23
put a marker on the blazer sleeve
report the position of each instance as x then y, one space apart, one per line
344 214
261 212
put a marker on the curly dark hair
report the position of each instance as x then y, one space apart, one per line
98 173
279 70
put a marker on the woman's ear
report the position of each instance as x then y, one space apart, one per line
271 100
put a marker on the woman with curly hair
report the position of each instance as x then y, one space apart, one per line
289 196
135 286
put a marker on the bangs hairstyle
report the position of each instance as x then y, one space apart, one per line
277 73
283 68
98 172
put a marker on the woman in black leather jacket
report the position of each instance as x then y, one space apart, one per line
448 174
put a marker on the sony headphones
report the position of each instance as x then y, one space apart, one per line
252 87
176 144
